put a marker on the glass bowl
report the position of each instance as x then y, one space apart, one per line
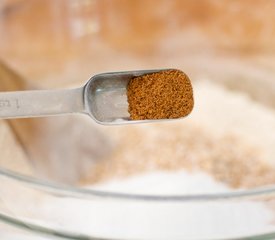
209 176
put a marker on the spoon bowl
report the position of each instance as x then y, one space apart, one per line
105 97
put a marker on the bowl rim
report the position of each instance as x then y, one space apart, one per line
78 192
45 231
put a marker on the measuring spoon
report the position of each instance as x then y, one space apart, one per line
104 98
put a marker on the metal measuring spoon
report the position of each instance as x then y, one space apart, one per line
104 98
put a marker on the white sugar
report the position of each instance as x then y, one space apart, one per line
165 183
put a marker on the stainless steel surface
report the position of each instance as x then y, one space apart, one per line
23 104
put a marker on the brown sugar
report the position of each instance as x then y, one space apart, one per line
230 159
162 95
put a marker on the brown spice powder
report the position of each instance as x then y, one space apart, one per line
162 95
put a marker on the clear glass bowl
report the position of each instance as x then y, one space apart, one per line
52 195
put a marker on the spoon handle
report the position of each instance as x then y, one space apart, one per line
23 104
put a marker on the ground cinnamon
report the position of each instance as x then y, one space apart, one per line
162 95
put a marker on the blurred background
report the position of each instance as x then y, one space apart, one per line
52 43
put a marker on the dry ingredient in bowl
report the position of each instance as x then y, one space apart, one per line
162 95
221 138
